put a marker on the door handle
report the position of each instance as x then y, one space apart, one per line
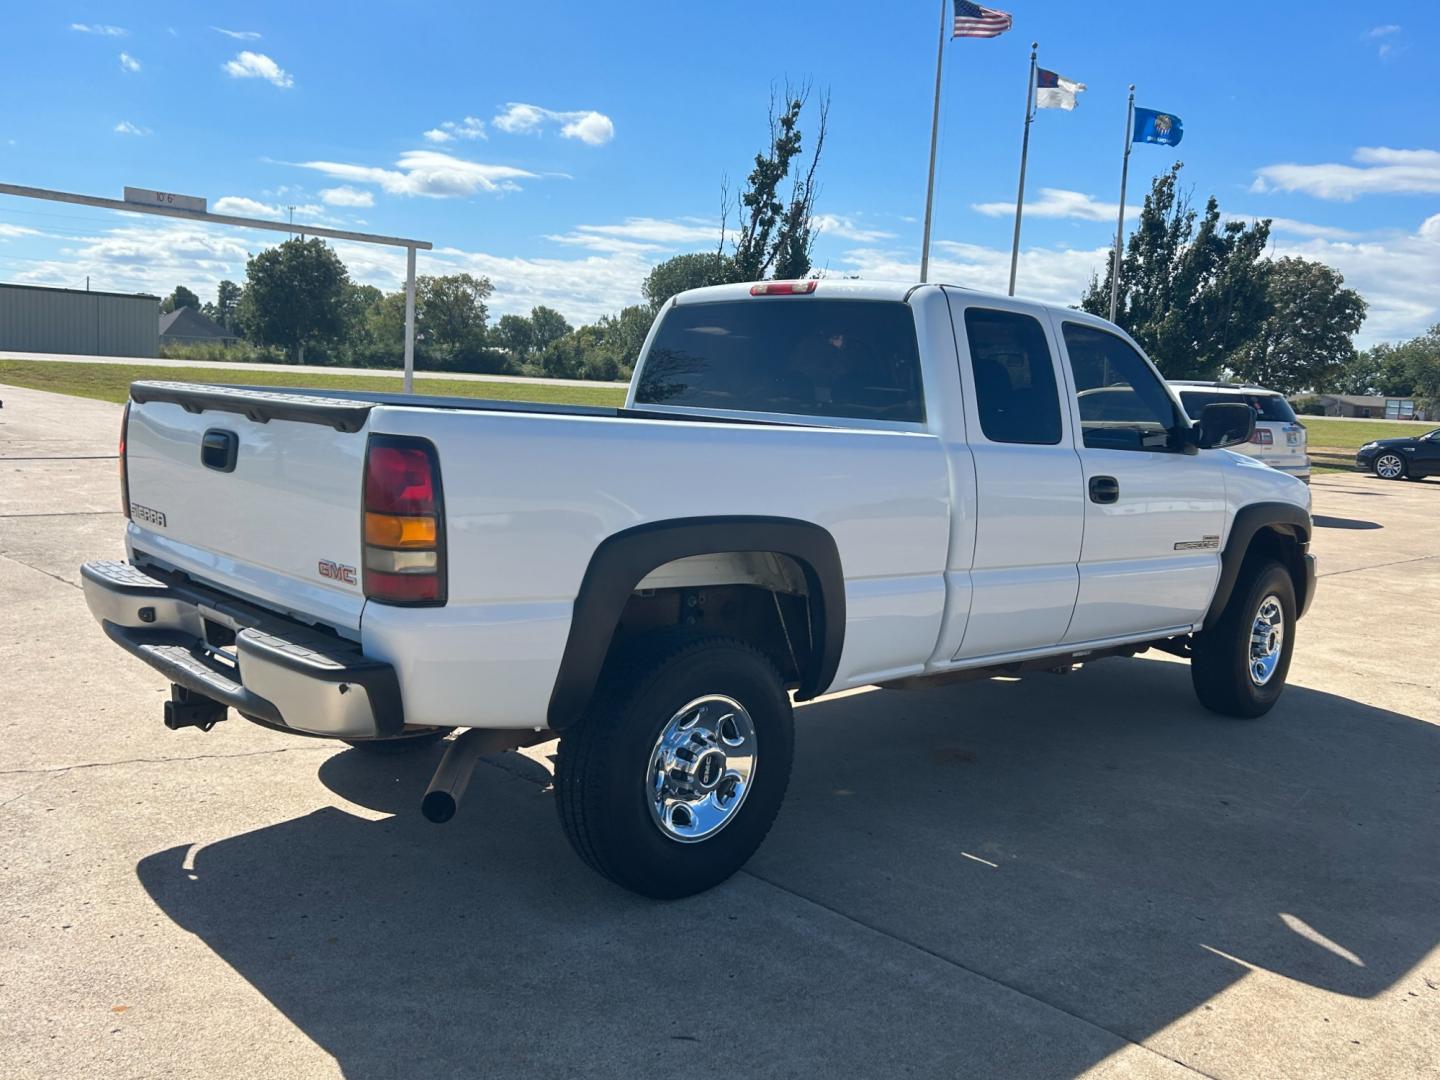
1104 489
218 449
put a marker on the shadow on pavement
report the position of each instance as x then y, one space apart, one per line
1323 522
1095 841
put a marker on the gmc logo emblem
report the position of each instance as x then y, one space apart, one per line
337 572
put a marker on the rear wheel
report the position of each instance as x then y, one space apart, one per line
673 778
1239 665
1389 466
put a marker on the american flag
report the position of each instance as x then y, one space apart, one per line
972 20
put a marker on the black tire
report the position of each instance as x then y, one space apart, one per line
1404 466
1220 664
602 771
401 744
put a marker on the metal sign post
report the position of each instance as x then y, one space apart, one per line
192 208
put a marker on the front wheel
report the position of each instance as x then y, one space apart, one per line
673 778
1239 665
1389 466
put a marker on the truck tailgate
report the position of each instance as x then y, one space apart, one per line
272 511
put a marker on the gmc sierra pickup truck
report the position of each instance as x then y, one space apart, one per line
812 486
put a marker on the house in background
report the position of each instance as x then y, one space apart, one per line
186 326
1367 407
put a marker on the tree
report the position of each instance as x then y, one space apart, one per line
694 271
227 296
295 296
1191 296
547 326
624 336
181 297
516 335
775 235
1406 369
1305 341
568 356
452 313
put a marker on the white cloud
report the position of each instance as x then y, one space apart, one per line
846 228
346 196
590 127
1059 203
1394 271
253 65
1295 228
1379 170
125 127
472 127
238 35
240 206
642 234
129 63
1057 275
8 231
98 28
1382 31
427 172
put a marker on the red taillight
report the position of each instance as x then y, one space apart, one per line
124 467
784 288
403 529
1263 437
399 479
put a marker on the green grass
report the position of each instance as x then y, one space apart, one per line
111 382
1352 434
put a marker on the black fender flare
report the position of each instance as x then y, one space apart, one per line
1286 518
621 561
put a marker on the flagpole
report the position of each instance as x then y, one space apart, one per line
934 139
1024 154
1120 222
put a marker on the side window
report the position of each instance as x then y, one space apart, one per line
1123 406
1014 377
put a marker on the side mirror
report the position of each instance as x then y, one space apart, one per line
1224 424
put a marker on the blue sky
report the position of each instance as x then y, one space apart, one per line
562 149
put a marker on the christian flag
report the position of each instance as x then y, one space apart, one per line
1054 91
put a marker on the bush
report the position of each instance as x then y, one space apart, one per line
1308 406
242 352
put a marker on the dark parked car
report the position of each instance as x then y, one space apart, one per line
1409 458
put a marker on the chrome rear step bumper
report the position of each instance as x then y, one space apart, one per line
281 672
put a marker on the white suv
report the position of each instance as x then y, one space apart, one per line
1279 439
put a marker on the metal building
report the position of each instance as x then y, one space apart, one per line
34 318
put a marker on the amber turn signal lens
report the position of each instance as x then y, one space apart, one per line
395 531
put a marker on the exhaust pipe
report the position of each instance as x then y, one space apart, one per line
452 775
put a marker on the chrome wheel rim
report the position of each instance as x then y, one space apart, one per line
1389 467
701 769
1267 640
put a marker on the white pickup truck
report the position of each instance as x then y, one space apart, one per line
812 486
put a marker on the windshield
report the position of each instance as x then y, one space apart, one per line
804 357
1267 406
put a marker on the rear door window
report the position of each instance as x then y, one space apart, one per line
1015 390
856 359
1270 407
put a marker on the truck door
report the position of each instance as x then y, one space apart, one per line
1029 507
1153 513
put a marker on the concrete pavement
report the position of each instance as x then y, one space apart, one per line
1049 877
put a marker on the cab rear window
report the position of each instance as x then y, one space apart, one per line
1271 407
856 359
